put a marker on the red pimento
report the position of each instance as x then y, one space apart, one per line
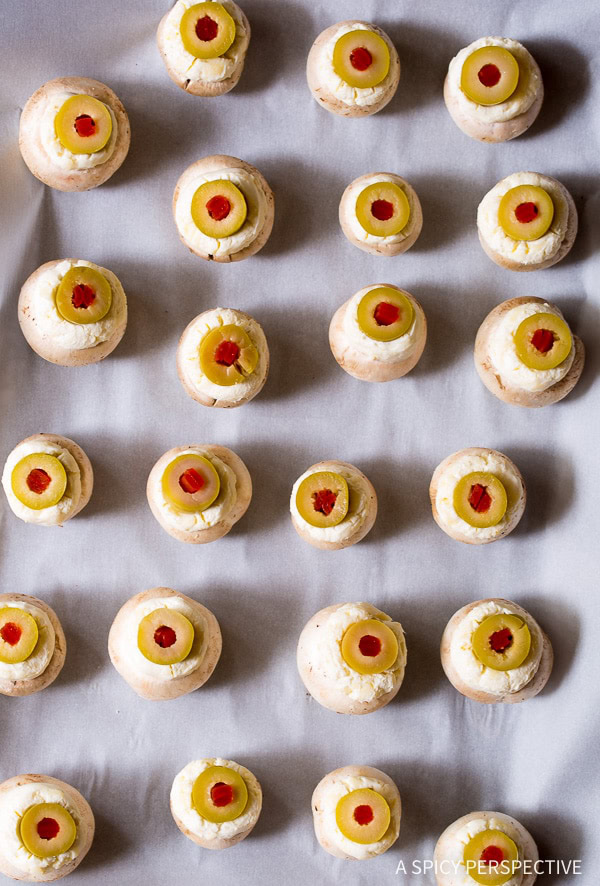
221 794
10 633
191 481
382 209
227 353
386 313
361 58
38 480
479 498
83 296
85 125
369 646
218 207
206 29
501 640
526 212
324 501
542 340
492 854
48 828
363 814
164 636
489 75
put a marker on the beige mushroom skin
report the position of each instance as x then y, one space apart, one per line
198 395
347 211
564 249
204 88
446 847
361 365
145 686
322 691
500 386
55 665
326 98
535 685
319 819
503 130
218 530
43 345
433 487
34 155
86 827
360 530
215 163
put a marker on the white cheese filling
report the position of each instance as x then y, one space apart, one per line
75 336
12 806
210 70
454 852
58 513
183 808
351 95
189 353
354 224
220 508
525 252
42 654
53 147
503 352
381 351
140 664
332 794
256 203
473 672
357 514
324 653
468 464
518 103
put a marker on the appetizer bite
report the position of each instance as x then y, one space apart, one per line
379 334
477 495
72 312
333 505
356 812
223 209
223 358
353 69
32 645
215 802
381 214
164 644
493 89
351 658
526 354
74 133
47 479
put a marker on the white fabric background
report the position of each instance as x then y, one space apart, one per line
448 755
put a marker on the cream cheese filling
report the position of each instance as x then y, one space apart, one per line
328 664
53 147
75 336
454 851
503 352
140 664
256 202
332 794
189 352
58 513
354 224
42 654
382 351
351 95
183 808
468 464
524 252
473 672
12 806
191 522
357 506
518 103
210 70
